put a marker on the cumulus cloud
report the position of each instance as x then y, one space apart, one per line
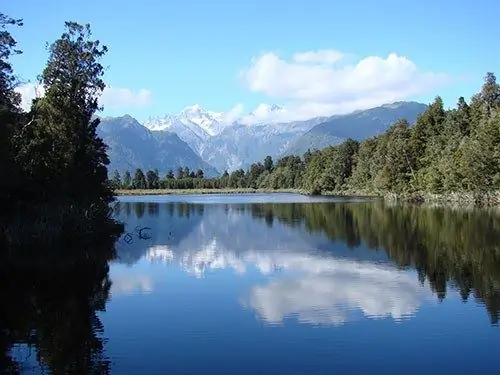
234 114
320 56
322 83
112 97
117 97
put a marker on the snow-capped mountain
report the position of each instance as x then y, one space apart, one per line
226 142
202 122
132 146
211 122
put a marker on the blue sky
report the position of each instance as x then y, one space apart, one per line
187 52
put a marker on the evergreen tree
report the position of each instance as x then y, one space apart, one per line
127 180
9 113
139 181
199 174
268 163
65 118
170 175
153 179
180 173
116 180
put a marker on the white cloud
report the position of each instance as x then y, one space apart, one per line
116 98
314 86
111 98
324 56
29 91
233 114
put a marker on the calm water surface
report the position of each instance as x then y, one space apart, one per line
285 284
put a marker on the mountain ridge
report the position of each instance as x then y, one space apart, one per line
131 146
199 138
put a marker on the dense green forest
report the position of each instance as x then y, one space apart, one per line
54 166
446 152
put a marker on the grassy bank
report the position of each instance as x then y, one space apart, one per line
447 199
489 199
204 191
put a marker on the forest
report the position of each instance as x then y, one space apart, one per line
54 164
447 152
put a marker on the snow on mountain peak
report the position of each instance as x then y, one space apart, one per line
193 110
211 122
208 123
160 123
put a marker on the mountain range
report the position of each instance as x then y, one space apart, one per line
131 146
202 139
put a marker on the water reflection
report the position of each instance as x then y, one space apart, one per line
50 308
192 286
327 263
331 291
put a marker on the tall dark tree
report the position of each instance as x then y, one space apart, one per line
127 180
200 174
268 163
9 111
139 181
170 175
152 179
116 180
73 84
180 173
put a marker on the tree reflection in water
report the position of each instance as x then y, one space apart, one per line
447 247
50 308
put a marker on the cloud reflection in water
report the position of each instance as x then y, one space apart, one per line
312 287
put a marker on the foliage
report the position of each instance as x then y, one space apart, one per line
55 162
446 152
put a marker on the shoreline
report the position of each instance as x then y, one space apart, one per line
123 192
490 199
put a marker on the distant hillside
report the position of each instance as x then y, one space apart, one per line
358 125
238 146
132 146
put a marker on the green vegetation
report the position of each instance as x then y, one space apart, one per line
451 155
54 166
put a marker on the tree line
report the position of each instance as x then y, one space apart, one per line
454 151
53 163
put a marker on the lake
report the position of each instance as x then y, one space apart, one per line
279 284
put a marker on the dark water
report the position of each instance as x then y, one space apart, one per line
218 285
